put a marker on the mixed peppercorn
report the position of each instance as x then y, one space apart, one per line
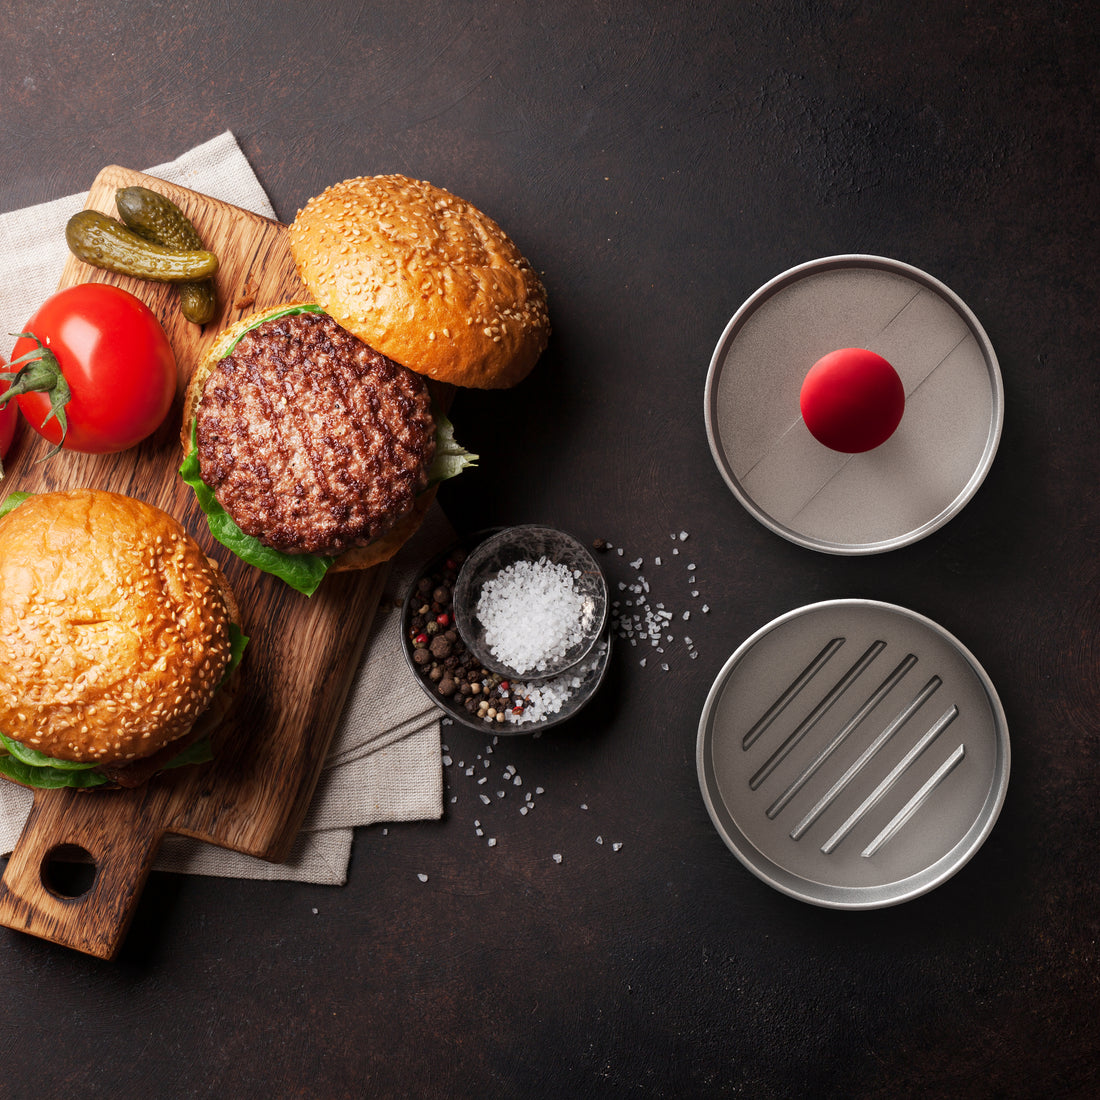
441 657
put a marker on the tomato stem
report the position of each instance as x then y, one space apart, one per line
40 373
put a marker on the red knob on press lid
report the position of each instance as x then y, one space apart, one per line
852 400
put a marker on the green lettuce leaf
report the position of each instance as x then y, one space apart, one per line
237 641
35 759
12 500
451 458
47 777
262 318
303 572
198 752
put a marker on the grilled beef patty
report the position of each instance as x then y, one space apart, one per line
312 441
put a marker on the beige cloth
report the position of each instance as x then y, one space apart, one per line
385 761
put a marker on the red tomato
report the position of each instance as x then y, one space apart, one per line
9 417
852 400
117 361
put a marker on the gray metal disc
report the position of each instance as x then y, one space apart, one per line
914 482
853 754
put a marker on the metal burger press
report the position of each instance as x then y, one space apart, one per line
852 753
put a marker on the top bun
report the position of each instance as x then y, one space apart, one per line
423 277
114 627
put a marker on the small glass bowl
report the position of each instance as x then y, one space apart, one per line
583 683
530 543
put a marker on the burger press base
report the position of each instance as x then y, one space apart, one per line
301 658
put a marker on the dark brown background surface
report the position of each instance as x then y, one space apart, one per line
657 166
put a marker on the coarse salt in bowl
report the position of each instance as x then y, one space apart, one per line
530 602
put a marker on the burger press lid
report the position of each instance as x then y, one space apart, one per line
853 754
923 474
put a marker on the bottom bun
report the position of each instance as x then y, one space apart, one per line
385 546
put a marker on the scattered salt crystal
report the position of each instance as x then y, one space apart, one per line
636 563
617 845
584 805
619 551
664 667
501 794
642 662
683 535
446 761
483 779
492 842
479 832
695 593
517 782
691 568
540 790
705 608
485 798
422 877
314 911
686 616
524 809
557 857
599 840
656 561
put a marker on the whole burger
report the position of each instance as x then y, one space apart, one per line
311 437
118 638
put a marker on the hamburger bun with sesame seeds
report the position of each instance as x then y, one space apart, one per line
423 277
117 635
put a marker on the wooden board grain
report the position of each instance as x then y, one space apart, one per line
298 667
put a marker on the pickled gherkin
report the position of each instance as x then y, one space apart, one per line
101 241
156 218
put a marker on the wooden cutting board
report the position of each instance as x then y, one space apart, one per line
297 669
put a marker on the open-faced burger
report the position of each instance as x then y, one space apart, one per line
312 439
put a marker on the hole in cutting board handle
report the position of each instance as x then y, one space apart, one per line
68 871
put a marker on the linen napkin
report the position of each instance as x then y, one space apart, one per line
385 761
